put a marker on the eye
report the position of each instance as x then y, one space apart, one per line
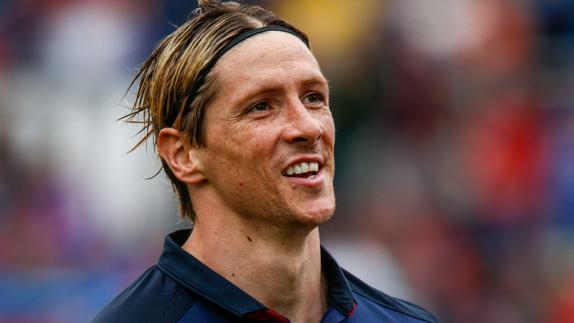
259 107
314 99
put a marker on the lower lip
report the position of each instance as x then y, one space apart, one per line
312 181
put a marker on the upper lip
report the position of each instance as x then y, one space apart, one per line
306 158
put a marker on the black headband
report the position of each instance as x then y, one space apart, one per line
238 39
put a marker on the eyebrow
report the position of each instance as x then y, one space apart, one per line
315 80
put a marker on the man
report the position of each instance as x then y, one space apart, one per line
240 112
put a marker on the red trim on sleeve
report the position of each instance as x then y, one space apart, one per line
351 312
267 315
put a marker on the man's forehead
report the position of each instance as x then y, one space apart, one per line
269 50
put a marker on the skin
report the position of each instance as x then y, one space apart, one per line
256 226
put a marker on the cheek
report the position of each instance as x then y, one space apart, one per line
329 128
243 151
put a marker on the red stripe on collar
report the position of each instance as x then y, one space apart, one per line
267 315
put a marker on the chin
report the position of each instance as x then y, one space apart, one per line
315 215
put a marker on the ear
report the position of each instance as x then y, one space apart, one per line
179 156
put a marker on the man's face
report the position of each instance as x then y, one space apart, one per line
270 133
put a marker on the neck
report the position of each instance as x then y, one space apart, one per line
280 269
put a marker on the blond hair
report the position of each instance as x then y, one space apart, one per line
171 90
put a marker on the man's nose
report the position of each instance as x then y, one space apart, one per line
303 124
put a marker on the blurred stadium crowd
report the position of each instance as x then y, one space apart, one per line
455 152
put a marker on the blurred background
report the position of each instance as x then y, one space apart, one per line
455 152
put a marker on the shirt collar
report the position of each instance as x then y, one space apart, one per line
340 294
193 274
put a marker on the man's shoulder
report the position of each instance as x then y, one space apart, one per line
153 297
386 303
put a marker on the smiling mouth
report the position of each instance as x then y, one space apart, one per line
302 170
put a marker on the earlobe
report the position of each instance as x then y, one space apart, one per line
179 156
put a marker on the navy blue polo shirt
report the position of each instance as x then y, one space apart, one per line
179 288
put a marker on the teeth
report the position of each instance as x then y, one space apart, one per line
297 170
314 167
302 168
